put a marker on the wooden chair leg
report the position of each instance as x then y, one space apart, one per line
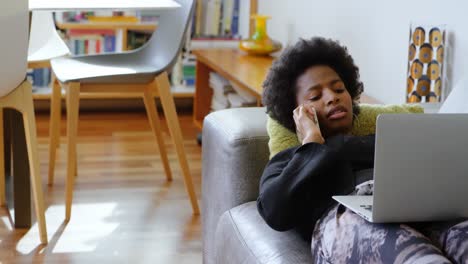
73 92
168 105
155 123
54 128
76 160
2 162
31 142
58 113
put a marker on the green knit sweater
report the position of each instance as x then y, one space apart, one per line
282 138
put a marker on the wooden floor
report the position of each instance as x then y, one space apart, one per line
124 210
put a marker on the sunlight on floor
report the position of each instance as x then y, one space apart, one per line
6 222
93 226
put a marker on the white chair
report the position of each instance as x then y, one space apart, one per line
44 41
143 70
16 93
46 44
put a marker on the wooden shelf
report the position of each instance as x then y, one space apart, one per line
45 94
113 26
247 72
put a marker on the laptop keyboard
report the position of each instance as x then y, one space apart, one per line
367 207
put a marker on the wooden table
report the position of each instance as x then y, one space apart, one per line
247 72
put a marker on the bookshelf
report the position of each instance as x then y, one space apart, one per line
123 27
231 17
120 29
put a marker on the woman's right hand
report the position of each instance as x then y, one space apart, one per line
307 128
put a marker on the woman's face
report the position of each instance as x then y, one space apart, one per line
321 87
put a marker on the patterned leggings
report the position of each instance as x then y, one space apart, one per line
341 236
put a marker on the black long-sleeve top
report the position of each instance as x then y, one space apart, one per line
297 184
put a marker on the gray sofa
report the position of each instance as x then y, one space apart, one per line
235 152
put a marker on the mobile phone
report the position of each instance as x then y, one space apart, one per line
315 118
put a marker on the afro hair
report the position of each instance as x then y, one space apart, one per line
279 87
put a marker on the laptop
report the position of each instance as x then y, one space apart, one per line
420 170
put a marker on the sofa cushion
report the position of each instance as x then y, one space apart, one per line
282 138
242 236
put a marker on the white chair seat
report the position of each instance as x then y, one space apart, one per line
46 53
113 69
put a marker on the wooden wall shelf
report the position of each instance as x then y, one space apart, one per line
45 94
113 26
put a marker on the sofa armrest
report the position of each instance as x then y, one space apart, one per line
243 237
235 152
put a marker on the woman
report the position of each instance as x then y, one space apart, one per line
318 77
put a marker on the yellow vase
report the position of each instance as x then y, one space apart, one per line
259 43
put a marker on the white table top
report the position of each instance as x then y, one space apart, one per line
90 5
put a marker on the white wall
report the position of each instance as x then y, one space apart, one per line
376 34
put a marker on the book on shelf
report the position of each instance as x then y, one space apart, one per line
227 95
183 72
90 41
235 19
136 39
109 43
226 21
188 72
236 101
39 77
72 16
212 17
218 18
221 88
102 16
91 44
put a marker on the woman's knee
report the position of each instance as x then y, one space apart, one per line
455 242
344 237
334 236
